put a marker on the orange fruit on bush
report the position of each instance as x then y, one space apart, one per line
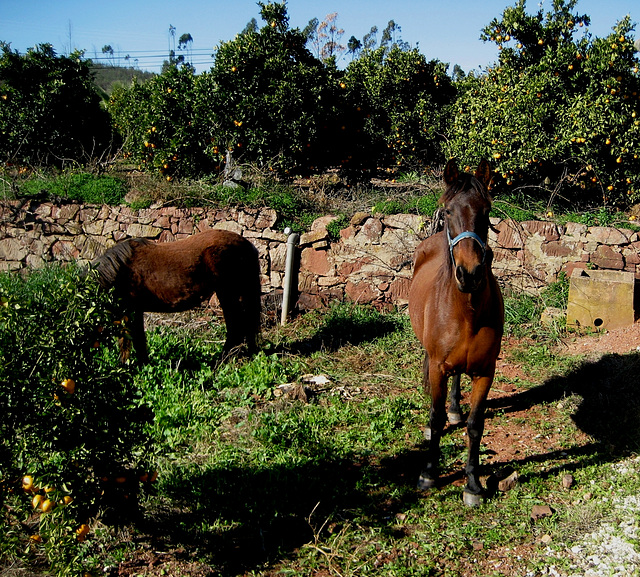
68 385
27 482
36 501
48 505
82 532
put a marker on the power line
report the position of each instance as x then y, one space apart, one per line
110 58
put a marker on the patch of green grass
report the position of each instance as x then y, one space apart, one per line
80 187
523 310
600 216
294 210
420 203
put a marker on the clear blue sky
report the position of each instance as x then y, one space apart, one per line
448 30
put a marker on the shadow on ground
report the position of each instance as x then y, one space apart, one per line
609 409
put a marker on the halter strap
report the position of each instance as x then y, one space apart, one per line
462 235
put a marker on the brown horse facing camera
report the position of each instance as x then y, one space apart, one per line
457 313
178 276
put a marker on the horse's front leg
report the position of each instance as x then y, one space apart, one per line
437 386
139 337
454 414
473 492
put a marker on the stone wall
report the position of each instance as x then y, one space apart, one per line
370 263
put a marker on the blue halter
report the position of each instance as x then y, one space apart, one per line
462 235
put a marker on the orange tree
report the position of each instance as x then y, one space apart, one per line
157 123
399 103
270 101
559 109
267 100
72 425
50 111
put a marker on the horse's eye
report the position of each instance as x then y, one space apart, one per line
447 212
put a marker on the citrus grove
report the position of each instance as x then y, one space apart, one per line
557 112
559 106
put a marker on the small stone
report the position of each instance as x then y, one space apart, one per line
359 217
293 391
540 512
315 379
587 496
546 539
551 315
568 481
508 483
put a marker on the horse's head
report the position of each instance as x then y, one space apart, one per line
467 203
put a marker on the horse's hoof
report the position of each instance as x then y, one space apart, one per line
427 433
425 483
454 418
472 499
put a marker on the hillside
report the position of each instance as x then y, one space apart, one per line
107 76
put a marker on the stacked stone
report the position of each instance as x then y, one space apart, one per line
370 262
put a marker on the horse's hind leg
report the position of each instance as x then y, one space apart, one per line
437 383
427 390
133 336
251 303
454 413
233 320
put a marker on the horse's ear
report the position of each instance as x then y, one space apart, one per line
483 172
451 173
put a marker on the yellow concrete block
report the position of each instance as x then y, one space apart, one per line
600 299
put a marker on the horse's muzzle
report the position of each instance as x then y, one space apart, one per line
470 281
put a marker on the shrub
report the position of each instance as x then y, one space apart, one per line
70 419
559 111
50 112
271 101
399 107
157 122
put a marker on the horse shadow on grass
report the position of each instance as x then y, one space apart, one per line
608 393
242 519
344 328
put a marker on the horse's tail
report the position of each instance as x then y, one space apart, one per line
252 300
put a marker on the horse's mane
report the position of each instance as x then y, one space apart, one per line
108 265
465 182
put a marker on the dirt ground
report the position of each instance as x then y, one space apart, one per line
619 341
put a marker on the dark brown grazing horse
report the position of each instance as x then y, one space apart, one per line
178 276
457 312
